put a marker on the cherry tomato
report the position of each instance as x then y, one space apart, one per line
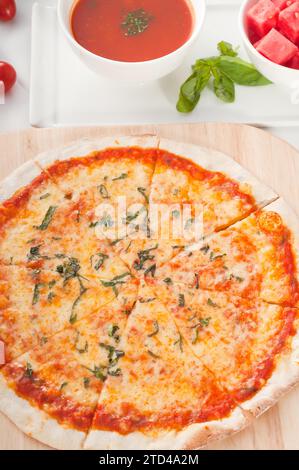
7 10
7 75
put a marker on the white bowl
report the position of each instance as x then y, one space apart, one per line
131 71
285 77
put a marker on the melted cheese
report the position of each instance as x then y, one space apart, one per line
243 260
161 379
234 337
66 365
49 303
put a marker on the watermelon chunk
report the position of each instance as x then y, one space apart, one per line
294 62
253 37
282 4
277 48
288 23
257 43
262 17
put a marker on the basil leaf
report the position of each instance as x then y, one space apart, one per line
44 196
155 331
63 385
47 219
114 372
155 356
73 317
131 217
143 192
241 72
103 191
28 371
115 282
143 257
179 342
98 260
106 221
99 372
34 253
112 332
184 105
151 270
191 89
182 302
224 87
211 303
36 292
226 48
86 382
123 176
207 61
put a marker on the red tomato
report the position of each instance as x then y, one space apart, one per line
7 10
7 75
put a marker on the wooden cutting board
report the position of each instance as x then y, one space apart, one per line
273 161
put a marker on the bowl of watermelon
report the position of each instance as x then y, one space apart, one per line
270 33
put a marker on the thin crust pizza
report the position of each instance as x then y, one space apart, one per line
149 296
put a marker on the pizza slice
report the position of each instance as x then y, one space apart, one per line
41 229
35 304
27 214
78 240
240 340
225 190
194 199
164 397
110 179
52 391
104 170
255 258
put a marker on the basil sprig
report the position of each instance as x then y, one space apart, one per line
226 70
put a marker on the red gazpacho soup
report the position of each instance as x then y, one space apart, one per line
132 30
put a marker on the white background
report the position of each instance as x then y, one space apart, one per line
15 48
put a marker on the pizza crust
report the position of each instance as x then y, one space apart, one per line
217 161
85 147
35 423
283 379
286 373
291 220
20 177
195 436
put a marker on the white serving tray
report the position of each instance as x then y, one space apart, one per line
65 93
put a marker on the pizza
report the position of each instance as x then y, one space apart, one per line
149 296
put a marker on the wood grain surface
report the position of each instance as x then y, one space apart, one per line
275 162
